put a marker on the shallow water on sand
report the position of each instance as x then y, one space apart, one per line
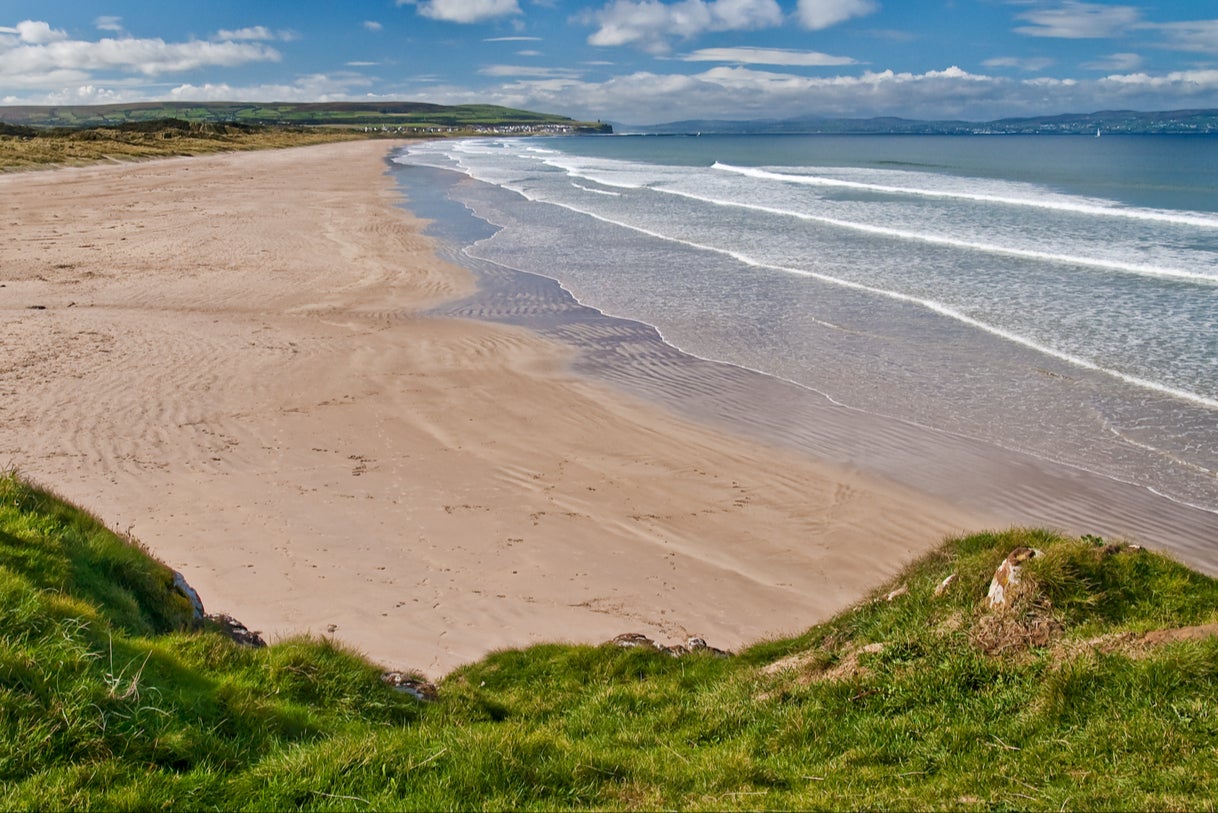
881 382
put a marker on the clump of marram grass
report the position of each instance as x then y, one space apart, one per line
107 702
72 148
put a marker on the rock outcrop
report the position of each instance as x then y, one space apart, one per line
631 640
183 588
231 627
236 631
1006 577
415 687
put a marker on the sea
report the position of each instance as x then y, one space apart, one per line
1052 296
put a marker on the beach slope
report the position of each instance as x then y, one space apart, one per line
230 358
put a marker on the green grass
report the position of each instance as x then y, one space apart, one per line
25 148
82 135
110 700
387 113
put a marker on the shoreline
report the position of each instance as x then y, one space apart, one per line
233 358
1010 486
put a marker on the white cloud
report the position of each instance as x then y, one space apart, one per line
1076 20
255 33
818 14
1197 35
372 25
34 32
1183 82
1115 63
342 86
1029 64
82 94
313 88
766 56
109 23
745 15
464 11
650 24
530 71
43 80
735 92
39 56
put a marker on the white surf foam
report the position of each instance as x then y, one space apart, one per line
1034 197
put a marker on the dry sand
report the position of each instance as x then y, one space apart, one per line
228 357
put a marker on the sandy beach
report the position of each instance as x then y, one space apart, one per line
231 358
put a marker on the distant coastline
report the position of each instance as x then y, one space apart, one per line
402 118
1126 122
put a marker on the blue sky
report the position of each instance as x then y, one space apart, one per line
627 61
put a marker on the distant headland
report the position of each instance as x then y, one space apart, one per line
1132 122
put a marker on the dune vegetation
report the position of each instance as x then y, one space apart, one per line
23 147
1094 689
404 115
68 135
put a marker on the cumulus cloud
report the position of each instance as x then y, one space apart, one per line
32 32
312 88
1077 20
33 54
109 23
372 25
1196 82
82 94
464 11
739 92
766 56
818 14
650 24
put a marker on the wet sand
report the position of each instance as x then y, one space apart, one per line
1009 487
239 360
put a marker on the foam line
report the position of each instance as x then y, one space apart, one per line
929 304
597 191
1182 219
952 242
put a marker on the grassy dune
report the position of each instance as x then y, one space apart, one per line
26 147
1094 691
391 114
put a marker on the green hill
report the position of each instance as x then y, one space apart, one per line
411 115
1094 690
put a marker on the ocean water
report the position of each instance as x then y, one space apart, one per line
1056 296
